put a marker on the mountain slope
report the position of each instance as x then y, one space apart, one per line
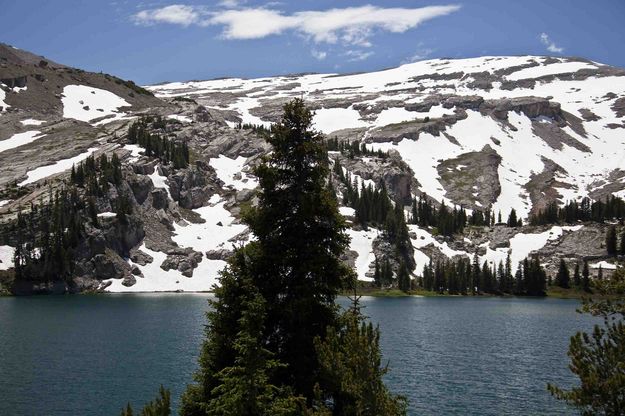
555 125
490 133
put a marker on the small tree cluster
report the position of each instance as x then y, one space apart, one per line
96 175
354 148
447 222
158 146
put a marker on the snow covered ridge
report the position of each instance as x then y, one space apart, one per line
568 119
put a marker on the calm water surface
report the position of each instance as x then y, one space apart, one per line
89 355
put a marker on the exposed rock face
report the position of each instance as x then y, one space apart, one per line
471 179
532 107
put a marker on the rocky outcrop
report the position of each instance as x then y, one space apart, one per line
472 179
532 107
183 260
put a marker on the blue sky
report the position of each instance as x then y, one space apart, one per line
156 41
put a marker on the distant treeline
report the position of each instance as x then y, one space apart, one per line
613 208
463 277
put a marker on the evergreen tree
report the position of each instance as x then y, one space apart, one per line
403 278
598 359
245 387
610 241
622 247
295 269
351 369
577 279
562 278
512 218
586 277
377 275
161 406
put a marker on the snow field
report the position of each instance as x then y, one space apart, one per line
20 139
230 171
6 257
100 103
55 168
362 243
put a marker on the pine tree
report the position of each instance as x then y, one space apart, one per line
597 360
161 406
403 278
512 218
377 275
562 278
294 265
577 279
245 387
610 241
622 247
586 277
351 369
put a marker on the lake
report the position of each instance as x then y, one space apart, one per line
90 354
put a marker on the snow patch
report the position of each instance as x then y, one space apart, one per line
20 139
107 214
56 167
160 181
328 120
230 171
84 103
362 243
604 265
6 257
32 122
182 119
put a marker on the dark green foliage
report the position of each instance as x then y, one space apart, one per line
512 219
47 236
610 241
586 277
598 359
598 211
97 176
245 388
156 145
577 277
351 370
448 222
374 207
622 244
403 278
563 278
161 406
462 276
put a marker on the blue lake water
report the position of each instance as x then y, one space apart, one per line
89 355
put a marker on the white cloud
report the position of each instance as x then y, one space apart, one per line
551 46
178 14
350 26
420 54
231 4
356 55
319 55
